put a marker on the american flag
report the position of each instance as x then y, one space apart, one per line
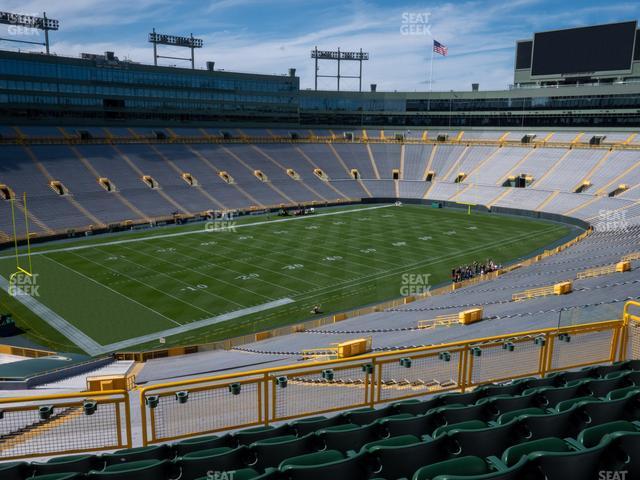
440 48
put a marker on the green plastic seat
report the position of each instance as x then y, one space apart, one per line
512 455
469 425
57 476
13 470
208 452
567 404
201 443
457 466
348 437
253 434
140 470
197 464
508 416
366 415
73 463
356 467
153 452
270 452
590 437
622 392
312 424
400 440
310 459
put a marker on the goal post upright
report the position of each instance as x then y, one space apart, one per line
469 205
19 268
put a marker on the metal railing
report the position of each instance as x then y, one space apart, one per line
206 405
72 423
596 272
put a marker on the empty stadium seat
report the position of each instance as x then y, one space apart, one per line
196 464
138 470
329 464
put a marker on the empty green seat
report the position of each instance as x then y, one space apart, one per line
590 437
197 464
140 470
201 443
416 407
348 437
469 425
253 434
403 460
418 425
622 392
270 452
581 464
400 440
13 470
366 415
153 452
74 463
57 476
483 442
567 404
508 416
513 454
356 467
457 466
520 471
312 424
310 459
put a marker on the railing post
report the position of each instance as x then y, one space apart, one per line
143 419
127 419
549 346
268 412
465 365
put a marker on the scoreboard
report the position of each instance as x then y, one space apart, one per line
589 53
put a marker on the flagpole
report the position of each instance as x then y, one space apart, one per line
430 78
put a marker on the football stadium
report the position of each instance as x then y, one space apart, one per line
209 274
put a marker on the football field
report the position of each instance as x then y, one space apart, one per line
194 284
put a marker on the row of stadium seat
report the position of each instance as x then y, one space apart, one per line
482 423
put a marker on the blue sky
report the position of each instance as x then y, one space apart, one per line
265 36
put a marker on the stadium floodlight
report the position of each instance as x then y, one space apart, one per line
339 56
27 21
174 41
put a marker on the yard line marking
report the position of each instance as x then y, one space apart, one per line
204 292
110 289
234 285
192 232
143 283
270 251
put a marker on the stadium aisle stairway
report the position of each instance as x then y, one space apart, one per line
567 425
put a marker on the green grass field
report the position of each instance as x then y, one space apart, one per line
130 285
